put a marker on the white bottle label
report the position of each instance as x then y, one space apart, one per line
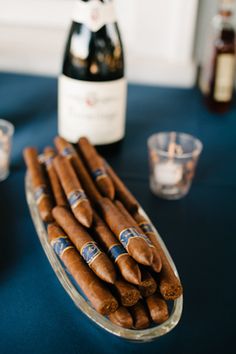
225 67
94 14
92 109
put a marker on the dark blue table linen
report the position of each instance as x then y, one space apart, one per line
36 315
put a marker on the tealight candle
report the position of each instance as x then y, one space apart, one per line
168 173
173 157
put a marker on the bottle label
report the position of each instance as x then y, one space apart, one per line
94 14
224 77
92 109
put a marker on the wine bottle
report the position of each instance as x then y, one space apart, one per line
218 73
92 86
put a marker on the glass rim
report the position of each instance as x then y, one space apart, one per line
9 125
195 152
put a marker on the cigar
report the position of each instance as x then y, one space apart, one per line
127 293
134 242
39 184
140 316
121 190
156 263
67 150
148 284
170 285
96 292
121 317
158 308
58 193
97 260
96 167
76 197
126 264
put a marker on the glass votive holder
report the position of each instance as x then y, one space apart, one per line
173 159
6 132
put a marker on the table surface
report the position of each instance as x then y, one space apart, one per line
36 315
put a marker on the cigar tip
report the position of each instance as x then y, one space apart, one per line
104 268
132 275
85 219
144 258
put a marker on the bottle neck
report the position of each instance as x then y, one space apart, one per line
94 13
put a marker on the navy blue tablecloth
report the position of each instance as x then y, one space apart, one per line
36 315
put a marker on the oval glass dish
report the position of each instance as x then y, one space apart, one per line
77 296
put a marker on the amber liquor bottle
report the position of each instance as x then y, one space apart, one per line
218 74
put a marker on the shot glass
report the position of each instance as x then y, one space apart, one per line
6 133
173 159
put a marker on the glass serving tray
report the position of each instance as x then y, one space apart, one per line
77 296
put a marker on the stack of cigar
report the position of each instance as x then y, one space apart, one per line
96 229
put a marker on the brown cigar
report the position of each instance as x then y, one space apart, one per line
121 317
96 292
170 285
67 150
130 238
148 285
76 197
140 316
58 192
93 256
156 263
127 293
121 190
96 167
158 308
127 266
39 183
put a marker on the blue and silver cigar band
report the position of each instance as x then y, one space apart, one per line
116 251
40 193
146 227
127 234
68 152
61 244
98 174
89 252
76 197
48 160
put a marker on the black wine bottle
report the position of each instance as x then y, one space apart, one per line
92 86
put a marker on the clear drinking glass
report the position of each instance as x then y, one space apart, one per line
173 159
6 132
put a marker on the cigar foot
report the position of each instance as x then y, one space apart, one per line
104 268
122 318
170 291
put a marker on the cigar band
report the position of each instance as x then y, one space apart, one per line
76 197
89 252
68 152
116 251
40 193
99 173
61 245
146 227
127 234
48 160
